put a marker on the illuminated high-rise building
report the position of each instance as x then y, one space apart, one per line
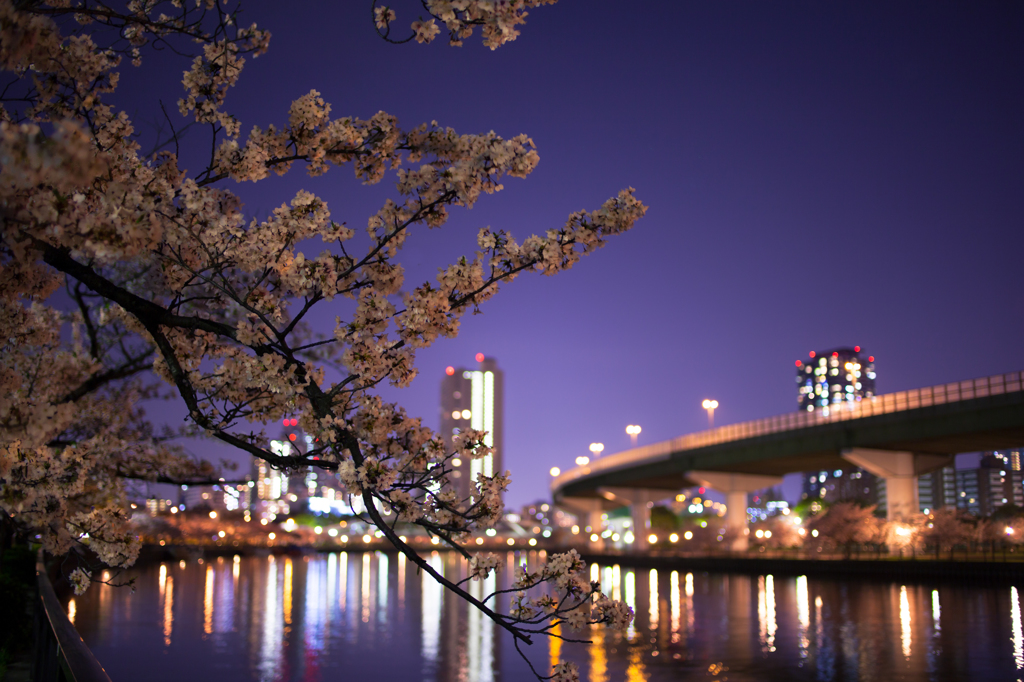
834 377
474 398
825 381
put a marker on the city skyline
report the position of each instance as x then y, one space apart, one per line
819 176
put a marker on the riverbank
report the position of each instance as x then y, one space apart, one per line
1011 571
882 569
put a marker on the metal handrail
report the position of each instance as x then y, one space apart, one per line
60 653
869 407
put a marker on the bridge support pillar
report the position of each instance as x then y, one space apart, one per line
640 501
590 513
736 487
900 471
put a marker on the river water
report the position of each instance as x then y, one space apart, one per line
373 617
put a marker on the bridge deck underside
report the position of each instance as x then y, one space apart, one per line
981 424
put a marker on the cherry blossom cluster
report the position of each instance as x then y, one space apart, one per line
177 290
498 20
575 600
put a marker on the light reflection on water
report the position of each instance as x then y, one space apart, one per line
340 616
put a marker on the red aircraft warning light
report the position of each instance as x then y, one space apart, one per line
812 353
856 349
479 357
449 371
292 436
798 363
871 358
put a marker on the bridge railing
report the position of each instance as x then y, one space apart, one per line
60 654
868 407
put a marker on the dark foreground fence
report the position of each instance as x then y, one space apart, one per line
60 654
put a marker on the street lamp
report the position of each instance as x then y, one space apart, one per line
633 430
710 406
555 471
597 449
582 461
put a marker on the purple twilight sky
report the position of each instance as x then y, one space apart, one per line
818 174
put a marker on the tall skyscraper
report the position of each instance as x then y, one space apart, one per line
474 398
827 380
833 377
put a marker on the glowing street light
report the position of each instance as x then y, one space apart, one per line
555 471
710 406
597 449
633 430
582 461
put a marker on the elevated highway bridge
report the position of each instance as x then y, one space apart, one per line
896 436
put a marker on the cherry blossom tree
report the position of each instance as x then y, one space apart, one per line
844 525
946 528
171 279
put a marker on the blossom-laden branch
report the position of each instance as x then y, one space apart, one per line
498 21
171 281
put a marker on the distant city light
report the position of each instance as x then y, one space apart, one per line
213 515
555 471
582 460
597 448
449 370
292 436
812 353
479 357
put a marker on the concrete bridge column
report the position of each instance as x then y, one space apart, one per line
736 487
640 501
590 513
900 471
